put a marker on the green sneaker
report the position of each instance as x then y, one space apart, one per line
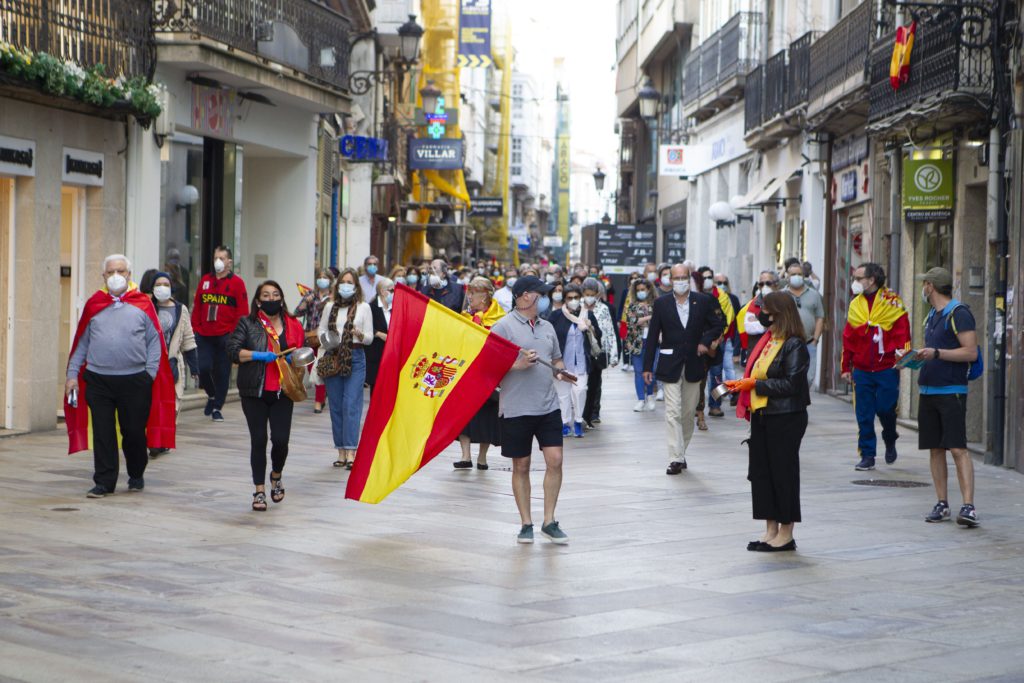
525 534
554 533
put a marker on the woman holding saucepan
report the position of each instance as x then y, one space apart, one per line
176 326
774 396
261 384
343 367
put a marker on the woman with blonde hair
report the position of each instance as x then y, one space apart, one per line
485 428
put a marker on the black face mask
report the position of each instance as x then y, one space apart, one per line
764 319
270 307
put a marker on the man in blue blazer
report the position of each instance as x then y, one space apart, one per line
687 323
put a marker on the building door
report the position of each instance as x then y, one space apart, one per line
933 247
72 278
6 300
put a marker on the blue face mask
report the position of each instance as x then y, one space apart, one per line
641 295
346 290
412 279
390 298
371 270
543 304
322 283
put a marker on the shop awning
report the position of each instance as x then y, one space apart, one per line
764 191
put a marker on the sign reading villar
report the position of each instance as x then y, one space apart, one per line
439 155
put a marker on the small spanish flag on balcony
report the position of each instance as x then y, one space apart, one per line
437 370
899 67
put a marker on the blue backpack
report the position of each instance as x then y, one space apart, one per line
977 367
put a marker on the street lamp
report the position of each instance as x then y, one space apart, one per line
723 215
649 98
410 33
599 176
430 94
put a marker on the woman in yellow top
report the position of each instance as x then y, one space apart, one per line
774 396
485 427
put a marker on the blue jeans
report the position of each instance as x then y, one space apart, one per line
875 393
345 402
642 390
714 379
214 367
728 369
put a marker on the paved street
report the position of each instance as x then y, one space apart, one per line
184 582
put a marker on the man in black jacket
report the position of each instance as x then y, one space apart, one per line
686 323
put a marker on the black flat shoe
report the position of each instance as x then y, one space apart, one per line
675 467
483 466
462 464
755 545
769 548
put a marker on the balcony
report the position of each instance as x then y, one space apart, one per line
715 73
837 77
254 44
949 82
776 94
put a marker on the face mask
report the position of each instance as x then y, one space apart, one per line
389 298
462 281
116 283
573 305
219 265
543 304
924 297
666 280
764 319
437 283
162 292
495 274
722 286
322 283
510 282
549 279
766 290
590 300
556 297
708 285
796 281
270 307
346 290
681 287
651 277
857 288
481 269
412 279
641 295
371 270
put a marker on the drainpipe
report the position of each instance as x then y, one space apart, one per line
997 325
895 214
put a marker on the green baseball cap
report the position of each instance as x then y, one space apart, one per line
940 277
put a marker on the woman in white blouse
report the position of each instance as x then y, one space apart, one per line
349 315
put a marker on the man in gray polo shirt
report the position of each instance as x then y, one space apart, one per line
812 313
528 404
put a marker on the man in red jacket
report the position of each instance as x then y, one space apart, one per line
877 327
220 301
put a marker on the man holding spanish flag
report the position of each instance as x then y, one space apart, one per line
877 327
118 371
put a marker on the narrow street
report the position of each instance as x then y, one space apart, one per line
183 582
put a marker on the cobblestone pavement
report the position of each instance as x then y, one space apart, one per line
184 582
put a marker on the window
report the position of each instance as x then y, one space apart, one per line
516 170
517 152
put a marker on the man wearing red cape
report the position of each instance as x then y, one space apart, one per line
118 377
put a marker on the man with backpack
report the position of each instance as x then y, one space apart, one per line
951 358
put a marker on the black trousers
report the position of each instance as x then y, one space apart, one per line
275 410
592 404
126 399
214 367
774 469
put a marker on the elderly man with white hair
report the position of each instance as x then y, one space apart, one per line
118 368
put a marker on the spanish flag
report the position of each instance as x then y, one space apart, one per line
437 370
899 67
163 410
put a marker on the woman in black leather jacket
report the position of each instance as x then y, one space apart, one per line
774 397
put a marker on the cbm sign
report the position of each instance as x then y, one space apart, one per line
359 148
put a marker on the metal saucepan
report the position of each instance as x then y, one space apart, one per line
331 339
720 392
302 356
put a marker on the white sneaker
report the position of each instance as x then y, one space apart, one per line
649 404
626 368
661 395
638 407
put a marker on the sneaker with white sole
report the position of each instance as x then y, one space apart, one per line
968 516
939 513
661 395
525 534
554 534
650 404
639 406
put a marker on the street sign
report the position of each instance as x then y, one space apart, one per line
553 241
440 155
628 246
928 189
474 34
359 148
487 207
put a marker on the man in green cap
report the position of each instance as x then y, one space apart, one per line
951 345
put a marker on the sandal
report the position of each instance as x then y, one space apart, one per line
339 463
349 464
259 501
701 424
276 490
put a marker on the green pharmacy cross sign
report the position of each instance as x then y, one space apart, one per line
436 121
928 189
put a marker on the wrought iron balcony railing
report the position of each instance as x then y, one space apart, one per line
303 34
942 68
730 52
799 73
775 79
842 52
115 33
753 110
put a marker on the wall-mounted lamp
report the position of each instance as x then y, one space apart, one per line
187 197
723 215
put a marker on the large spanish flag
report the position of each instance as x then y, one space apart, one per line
437 370
899 65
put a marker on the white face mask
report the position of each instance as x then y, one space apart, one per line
219 265
924 297
437 283
651 277
796 281
346 290
162 292
681 287
641 294
549 278
857 288
510 282
573 305
556 297
116 284
666 280
590 300
709 285
322 283
766 290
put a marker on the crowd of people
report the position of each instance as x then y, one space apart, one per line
690 339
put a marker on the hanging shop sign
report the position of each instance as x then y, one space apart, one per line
928 189
17 156
439 155
213 110
474 34
359 148
683 160
487 207
81 167
675 246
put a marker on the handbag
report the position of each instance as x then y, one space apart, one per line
291 377
338 361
